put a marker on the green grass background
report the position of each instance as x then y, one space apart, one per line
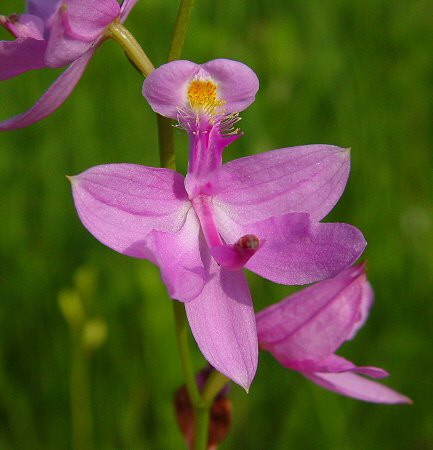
352 73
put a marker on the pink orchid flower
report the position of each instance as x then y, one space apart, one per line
261 212
55 33
304 330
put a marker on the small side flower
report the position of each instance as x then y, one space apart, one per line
55 34
304 330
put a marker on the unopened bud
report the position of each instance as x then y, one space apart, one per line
219 420
94 334
71 307
85 279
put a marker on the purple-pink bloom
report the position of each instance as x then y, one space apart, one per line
304 330
261 212
55 33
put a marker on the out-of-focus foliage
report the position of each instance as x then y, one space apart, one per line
356 74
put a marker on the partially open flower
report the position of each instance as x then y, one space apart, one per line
304 330
55 33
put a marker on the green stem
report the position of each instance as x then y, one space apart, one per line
180 29
201 427
132 48
184 352
213 386
82 419
166 143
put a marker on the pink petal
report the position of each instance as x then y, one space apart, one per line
21 55
311 324
294 250
88 18
76 28
308 179
222 322
42 8
237 83
121 203
24 26
125 8
56 94
166 87
179 258
334 364
352 385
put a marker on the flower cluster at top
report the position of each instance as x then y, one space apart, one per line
261 212
55 33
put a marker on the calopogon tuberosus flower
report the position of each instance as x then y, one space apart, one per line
304 330
261 212
55 33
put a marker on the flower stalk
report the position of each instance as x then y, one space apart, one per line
180 29
201 427
82 419
167 157
213 386
184 352
133 49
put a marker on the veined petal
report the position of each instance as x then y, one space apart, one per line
223 325
76 27
356 386
21 55
237 83
166 87
292 254
295 250
334 364
178 256
88 18
121 203
310 325
307 179
303 330
56 94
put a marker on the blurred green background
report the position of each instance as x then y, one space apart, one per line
352 73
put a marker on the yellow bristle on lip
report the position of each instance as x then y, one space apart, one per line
202 94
